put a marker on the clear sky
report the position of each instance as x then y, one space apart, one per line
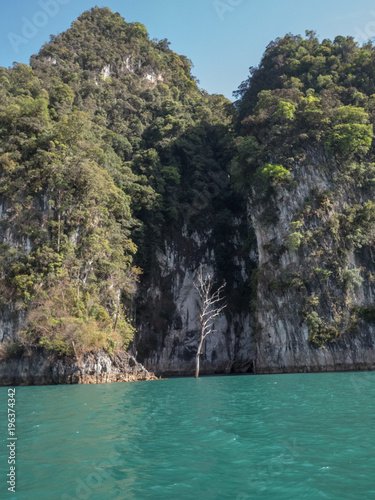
222 37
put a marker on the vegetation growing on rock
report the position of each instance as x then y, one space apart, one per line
106 146
309 107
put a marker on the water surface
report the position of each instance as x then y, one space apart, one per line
309 436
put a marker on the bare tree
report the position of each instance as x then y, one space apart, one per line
211 305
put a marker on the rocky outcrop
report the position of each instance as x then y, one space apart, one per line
41 368
127 65
168 307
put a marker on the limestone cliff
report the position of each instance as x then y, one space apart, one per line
168 310
305 161
119 177
289 279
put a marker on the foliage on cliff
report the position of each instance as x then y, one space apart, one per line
105 141
307 95
306 125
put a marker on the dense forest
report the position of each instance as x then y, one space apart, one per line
108 148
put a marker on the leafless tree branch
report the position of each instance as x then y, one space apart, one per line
211 306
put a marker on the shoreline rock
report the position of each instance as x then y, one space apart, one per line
39 367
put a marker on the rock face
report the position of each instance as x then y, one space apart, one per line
129 65
168 305
13 313
41 368
10 321
288 278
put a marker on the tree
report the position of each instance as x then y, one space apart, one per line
211 305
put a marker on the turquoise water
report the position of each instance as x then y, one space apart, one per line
269 437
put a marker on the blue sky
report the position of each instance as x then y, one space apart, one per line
222 37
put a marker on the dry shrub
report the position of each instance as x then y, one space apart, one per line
70 322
